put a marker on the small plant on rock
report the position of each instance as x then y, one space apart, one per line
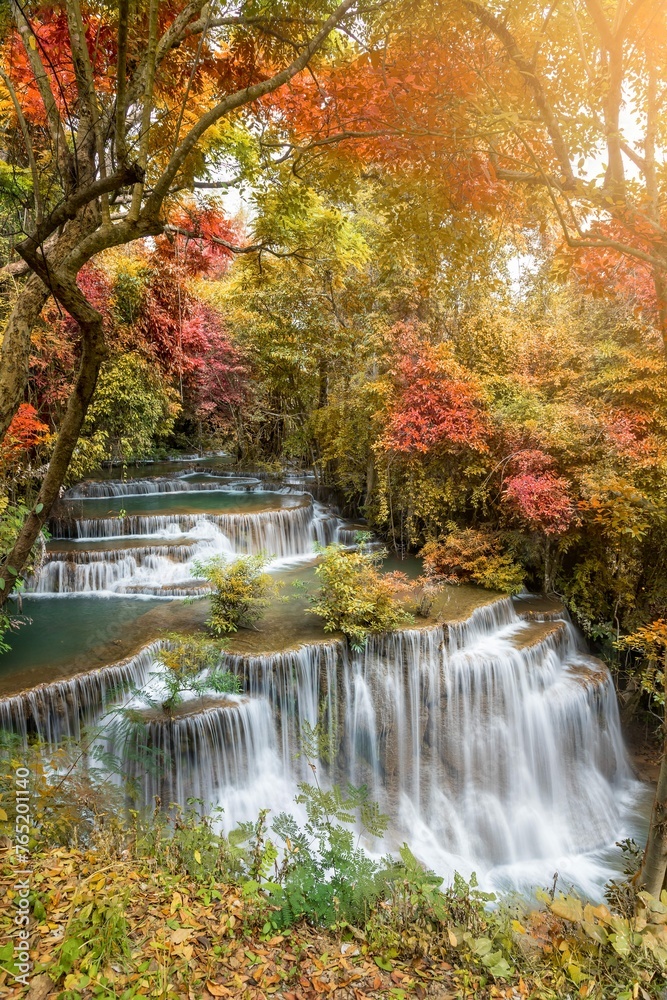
355 597
242 592
190 664
476 557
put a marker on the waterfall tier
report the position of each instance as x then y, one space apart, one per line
493 742
52 712
247 532
159 559
488 741
146 487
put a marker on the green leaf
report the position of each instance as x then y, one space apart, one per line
483 946
39 508
575 974
500 969
595 931
14 572
382 963
620 942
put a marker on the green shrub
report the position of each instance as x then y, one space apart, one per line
189 663
96 936
132 412
354 597
241 592
325 876
473 557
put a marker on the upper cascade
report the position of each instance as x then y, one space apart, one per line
193 483
155 554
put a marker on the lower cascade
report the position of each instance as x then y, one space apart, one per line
492 744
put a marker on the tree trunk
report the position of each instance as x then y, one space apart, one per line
15 350
547 565
323 383
93 353
371 477
660 285
32 297
653 874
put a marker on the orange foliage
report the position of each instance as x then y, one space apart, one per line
408 108
26 431
603 271
438 402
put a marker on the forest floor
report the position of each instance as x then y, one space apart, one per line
108 924
160 935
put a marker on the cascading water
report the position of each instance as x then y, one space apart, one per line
146 487
52 712
492 744
172 544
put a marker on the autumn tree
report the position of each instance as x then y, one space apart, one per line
118 111
651 642
580 116
552 114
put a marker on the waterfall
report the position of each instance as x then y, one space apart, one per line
147 487
487 741
89 571
278 531
212 752
56 711
492 740
492 743
500 752
165 568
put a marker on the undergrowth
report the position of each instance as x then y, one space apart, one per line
109 889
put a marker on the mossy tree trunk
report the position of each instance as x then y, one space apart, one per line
653 875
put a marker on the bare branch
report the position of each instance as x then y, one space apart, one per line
206 185
121 81
192 234
629 17
147 105
505 36
580 39
638 160
186 95
599 17
41 79
86 89
543 30
176 31
75 202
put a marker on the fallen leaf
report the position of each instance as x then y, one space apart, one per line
40 987
180 935
217 990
